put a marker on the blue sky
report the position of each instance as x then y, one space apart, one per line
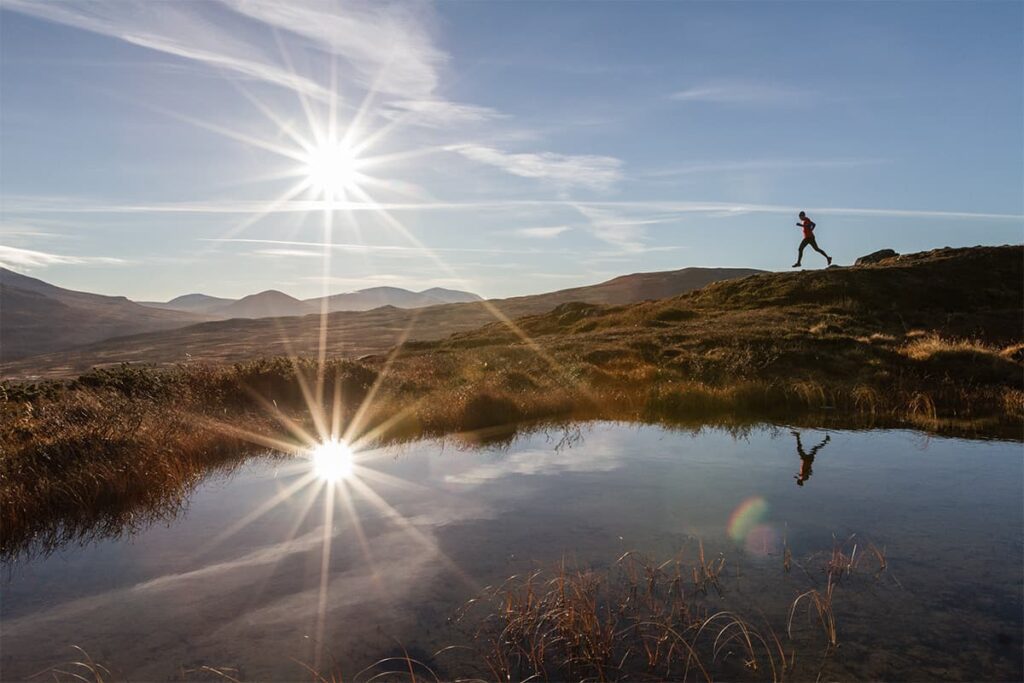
506 148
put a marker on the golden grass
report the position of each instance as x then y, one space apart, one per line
98 452
85 453
928 346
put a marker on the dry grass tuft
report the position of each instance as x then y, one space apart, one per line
929 346
636 619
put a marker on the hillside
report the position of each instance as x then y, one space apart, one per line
930 340
922 337
37 317
973 293
351 334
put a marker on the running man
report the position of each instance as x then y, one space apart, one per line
808 225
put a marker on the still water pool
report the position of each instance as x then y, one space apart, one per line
273 564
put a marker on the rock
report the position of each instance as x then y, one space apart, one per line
875 257
573 311
1015 353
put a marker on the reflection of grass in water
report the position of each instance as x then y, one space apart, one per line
133 440
120 449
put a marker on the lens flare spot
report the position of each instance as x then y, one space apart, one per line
746 516
332 460
763 540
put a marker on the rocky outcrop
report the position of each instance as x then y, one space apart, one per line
875 257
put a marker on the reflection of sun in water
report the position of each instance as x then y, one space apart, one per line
332 460
332 169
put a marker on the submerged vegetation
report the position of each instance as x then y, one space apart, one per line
682 619
932 341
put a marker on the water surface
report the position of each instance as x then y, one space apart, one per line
389 555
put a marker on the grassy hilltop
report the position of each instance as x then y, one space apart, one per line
928 335
932 339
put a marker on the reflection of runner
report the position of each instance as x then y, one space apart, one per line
808 225
806 458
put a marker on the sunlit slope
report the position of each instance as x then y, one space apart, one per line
947 317
974 293
351 333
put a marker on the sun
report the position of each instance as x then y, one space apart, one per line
332 169
332 460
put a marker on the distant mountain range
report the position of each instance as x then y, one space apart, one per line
275 304
42 327
191 303
37 317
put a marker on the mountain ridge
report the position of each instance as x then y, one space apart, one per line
352 333
356 300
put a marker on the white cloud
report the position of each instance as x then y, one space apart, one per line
543 232
184 29
23 205
625 230
761 165
389 249
736 92
386 43
304 253
586 170
12 257
614 228
436 113
385 48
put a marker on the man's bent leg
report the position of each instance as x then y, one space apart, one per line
814 245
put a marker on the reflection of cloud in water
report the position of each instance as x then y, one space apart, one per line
194 580
397 572
236 610
602 455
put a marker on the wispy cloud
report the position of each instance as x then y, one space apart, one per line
760 165
13 257
614 228
386 43
586 170
181 29
739 92
625 228
25 205
438 113
385 47
543 232
302 253
18 232
362 248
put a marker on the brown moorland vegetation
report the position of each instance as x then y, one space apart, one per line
350 333
933 340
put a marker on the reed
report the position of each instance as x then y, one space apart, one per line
635 619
